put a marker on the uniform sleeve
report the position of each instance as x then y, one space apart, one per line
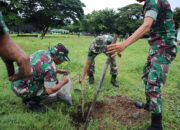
151 9
50 79
3 27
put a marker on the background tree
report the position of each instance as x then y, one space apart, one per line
129 18
51 13
177 17
45 14
126 20
101 21
75 27
11 10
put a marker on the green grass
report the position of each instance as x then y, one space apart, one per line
14 116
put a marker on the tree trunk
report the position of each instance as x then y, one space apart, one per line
44 31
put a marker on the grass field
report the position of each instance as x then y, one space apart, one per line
13 115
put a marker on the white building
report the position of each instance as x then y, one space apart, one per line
59 31
178 35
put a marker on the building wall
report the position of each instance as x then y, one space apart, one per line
178 35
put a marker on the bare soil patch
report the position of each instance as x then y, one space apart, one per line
120 108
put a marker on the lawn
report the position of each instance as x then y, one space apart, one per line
14 116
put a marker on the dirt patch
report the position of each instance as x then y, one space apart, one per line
120 108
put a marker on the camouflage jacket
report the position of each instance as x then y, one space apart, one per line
43 76
163 27
99 44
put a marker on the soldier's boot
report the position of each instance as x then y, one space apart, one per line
35 106
113 81
142 105
156 122
91 79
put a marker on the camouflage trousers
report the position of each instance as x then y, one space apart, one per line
91 71
154 76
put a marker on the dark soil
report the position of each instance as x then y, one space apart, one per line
120 108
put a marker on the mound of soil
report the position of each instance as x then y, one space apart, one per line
121 108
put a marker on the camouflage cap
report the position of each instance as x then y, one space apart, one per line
60 51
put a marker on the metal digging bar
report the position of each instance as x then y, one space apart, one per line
82 99
99 85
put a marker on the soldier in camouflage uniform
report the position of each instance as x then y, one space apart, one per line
159 23
43 81
10 52
96 47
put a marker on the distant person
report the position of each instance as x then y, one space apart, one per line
97 47
78 34
159 23
43 82
127 35
10 52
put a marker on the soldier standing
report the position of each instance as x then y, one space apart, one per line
158 21
96 47
43 81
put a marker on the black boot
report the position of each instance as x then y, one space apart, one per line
142 105
91 79
113 81
35 106
156 122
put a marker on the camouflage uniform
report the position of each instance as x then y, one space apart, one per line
163 49
3 27
43 76
99 46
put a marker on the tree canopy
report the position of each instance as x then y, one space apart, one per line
99 21
177 17
51 13
42 13
45 14
11 10
129 18
125 20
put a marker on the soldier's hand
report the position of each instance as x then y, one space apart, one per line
81 80
62 71
115 49
24 69
65 80
10 51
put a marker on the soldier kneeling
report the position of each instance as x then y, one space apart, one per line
43 86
